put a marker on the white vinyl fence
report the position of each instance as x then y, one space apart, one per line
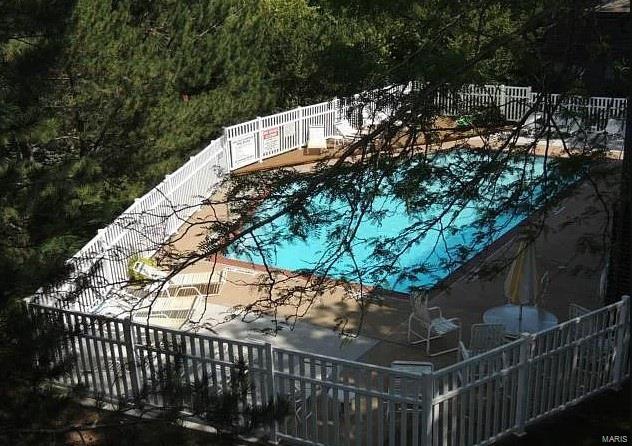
261 138
101 265
514 102
338 402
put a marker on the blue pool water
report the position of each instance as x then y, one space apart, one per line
430 258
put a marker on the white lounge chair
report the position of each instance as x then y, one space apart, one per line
168 312
568 126
432 324
316 141
597 140
484 337
573 127
415 367
206 283
573 131
148 272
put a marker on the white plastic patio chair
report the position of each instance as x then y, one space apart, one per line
615 133
415 367
532 123
575 311
597 140
348 132
316 141
373 118
406 386
601 344
615 127
484 337
432 324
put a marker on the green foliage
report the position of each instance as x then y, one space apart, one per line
34 410
28 352
464 121
231 413
99 100
227 408
487 117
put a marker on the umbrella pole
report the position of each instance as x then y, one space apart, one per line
520 319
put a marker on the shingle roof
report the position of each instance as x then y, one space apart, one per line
614 6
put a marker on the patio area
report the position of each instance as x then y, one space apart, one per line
332 356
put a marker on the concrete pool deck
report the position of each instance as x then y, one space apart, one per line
570 247
299 159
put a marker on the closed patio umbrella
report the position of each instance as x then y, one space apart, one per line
523 290
521 284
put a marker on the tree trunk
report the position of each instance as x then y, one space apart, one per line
620 269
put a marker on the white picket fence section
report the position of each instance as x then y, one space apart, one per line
102 264
262 138
595 111
515 102
339 402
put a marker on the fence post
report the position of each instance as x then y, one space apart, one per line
528 102
259 140
427 395
622 327
131 357
334 104
503 102
300 126
272 394
108 274
522 393
330 119
226 147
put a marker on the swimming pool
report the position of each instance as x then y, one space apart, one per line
452 238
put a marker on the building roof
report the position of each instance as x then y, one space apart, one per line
620 6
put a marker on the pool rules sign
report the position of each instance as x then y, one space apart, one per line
243 150
271 140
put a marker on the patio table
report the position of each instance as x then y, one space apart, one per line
533 319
